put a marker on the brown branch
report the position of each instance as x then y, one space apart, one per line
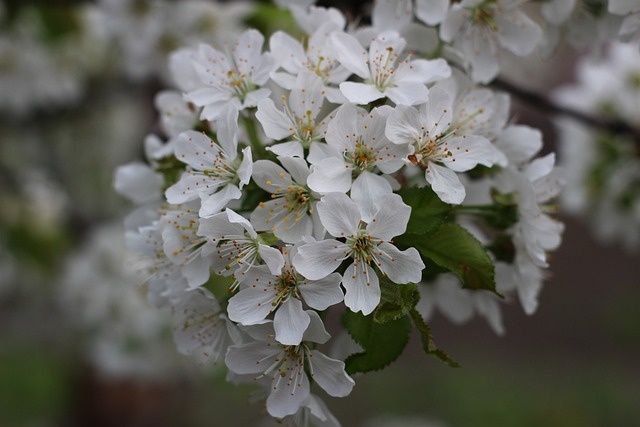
542 103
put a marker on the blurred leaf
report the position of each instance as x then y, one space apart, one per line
428 345
382 342
268 19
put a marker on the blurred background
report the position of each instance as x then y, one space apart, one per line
79 346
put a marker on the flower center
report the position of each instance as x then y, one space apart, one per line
286 285
361 246
362 157
239 83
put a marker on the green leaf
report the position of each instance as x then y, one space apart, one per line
396 301
382 342
455 249
428 212
428 345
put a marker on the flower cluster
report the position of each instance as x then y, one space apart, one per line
355 171
602 168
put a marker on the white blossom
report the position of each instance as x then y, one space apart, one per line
215 173
481 29
367 244
286 366
438 146
237 247
291 212
200 327
232 78
386 70
297 121
358 148
263 293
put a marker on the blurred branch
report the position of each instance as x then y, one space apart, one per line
616 127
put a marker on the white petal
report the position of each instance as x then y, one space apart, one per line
251 358
290 322
216 202
138 182
484 61
391 14
452 23
519 143
253 98
518 33
323 293
360 93
471 150
306 95
445 183
431 12
205 96
329 374
344 127
218 225
297 167
424 70
438 111
407 93
288 393
390 219
400 266
196 271
289 149
227 130
288 52
239 219
252 304
350 53
363 288
272 257
185 189
403 125
367 190
316 331
330 175
197 150
270 177
246 167
276 124
319 259
339 214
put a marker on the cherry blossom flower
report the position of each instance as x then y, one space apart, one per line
458 304
297 121
480 29
215 174
357 147
291 212
316 56
237 247
200 327
183 246
366 244
436 145
287 366
386 70
263 293
231 78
